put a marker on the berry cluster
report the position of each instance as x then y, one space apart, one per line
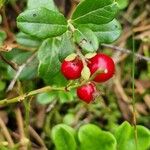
100 62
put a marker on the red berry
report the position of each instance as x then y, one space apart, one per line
87 92
72 69
104 62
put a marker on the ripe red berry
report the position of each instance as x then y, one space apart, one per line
87 92
104 62
72 69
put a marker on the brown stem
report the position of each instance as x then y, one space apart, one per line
20 127
6 134
36 137
8 46
6 25
16 8
10 63
127 51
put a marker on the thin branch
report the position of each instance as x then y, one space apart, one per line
20 127
121 91
46 89
10 63
141 28
36 137
16 8
6 133
6 24
20 69
32 93
123 50
8 46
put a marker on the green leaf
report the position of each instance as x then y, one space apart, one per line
2 37
126 139
42 23
95 11
46 98
86 39
11 54
29 72
67 47
63 137
59 80
122 3
49 4
91 137
26 40
106 33
65 96
49 62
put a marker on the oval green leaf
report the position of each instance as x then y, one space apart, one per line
125 136
49 62
65 96
67 46
26 40
49 4
46 98
106 33
86 39
42 23
63 137
91 137
95 11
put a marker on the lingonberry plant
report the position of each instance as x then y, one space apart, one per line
70 46
66 55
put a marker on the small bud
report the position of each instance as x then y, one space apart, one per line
90 55
85 73
71 57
